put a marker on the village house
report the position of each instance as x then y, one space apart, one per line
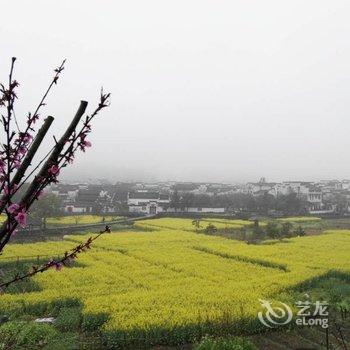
259 188
93 199
85 201
67 193
144 202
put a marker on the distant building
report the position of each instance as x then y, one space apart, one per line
67 193
261 187
145 202
85 201
205 210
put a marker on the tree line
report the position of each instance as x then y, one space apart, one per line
262 204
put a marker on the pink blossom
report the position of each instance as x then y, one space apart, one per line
32 119
21 218
22 150
84 143
54 170
58 266
2 167
27 138
12 190
6 190
13 208
14 232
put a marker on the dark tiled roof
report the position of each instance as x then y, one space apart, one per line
164 196
88 196
148 195
185 186
144 195
64 188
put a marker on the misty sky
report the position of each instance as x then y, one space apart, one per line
202 90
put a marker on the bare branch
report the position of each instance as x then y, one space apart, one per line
10 225
27 161
68 256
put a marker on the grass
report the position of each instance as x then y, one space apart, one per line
75 219
225 344
80 220
300 219
187 224
172 286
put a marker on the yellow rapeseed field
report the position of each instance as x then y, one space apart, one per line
80 219
144 287
188 225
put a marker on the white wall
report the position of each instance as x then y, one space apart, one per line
72 209
205 210
138 209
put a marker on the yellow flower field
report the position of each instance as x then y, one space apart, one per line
80 219
75 219
175 284
187 224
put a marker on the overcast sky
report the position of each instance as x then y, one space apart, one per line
202 90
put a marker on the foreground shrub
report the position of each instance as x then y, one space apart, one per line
210 229
22 335
40 308
91 322
149 337
225 344
65 341
68 319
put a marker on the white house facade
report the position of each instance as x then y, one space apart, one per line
144 202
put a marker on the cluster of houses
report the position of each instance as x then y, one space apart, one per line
313 193
84 198
144 198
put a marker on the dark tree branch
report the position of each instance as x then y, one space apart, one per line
27 160
10 224
32 118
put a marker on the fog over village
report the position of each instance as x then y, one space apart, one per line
225 93
262 197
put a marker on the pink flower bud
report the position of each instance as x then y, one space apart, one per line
13 208
21 218
54 170
58 266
